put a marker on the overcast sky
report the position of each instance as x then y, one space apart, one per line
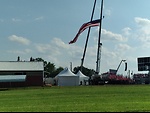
43 28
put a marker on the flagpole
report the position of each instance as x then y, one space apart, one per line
82 60
99 43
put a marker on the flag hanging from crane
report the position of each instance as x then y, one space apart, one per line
83 27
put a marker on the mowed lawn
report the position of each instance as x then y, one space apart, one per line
103 98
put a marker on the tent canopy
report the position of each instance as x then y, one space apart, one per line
66 72
80 74
67 78
82 78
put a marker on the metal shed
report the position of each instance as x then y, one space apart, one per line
21 73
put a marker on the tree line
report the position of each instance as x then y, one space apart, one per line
50 69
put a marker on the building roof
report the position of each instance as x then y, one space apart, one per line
21 66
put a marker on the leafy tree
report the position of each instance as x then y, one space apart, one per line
85 71
56 72
49 68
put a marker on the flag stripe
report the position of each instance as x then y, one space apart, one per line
83 27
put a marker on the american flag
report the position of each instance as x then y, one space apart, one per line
83 27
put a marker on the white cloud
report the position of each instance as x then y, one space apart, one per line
123 47
143 32
47 49
39 18
18 39
25 51
144 25
108 35
126 31
60 53
60 43
54 47
108 59
142 21
16 20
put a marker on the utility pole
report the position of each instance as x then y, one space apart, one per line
99 43
71 66
82 60
98 59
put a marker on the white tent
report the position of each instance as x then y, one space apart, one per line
83 80
67 78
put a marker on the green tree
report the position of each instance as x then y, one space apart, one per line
49 68
56 72
85 71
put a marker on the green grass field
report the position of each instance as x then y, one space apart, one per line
103 98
